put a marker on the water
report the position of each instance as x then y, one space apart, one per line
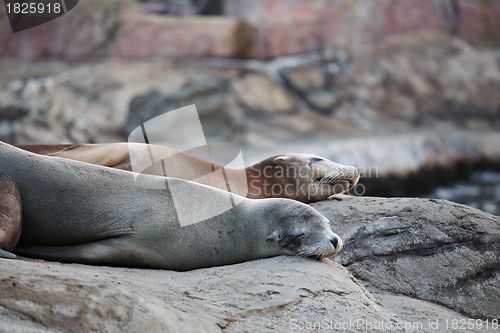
481 190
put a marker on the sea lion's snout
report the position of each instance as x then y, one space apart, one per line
339 178
323 246
337 243
354 179
302 231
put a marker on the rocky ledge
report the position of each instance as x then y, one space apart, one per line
429 249
407 265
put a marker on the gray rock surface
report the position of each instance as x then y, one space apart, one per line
114 299
321 100
430 84
34 110
406 251
303 79
99 30
260 95
399 154
429 249
67 107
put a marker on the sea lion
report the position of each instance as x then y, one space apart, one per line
303 177
10 216
82 213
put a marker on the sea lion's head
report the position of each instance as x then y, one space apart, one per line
301 231
302 177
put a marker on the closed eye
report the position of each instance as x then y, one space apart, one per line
315 160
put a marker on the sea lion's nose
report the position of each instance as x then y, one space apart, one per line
334 241
355 178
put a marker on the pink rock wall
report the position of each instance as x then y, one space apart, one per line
296 26
96 29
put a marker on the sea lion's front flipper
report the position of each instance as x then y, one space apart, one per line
7 255
10 216
110 251
93 253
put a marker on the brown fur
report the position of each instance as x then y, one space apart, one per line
10 213
293 176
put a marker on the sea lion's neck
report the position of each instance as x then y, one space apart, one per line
244 182
256 182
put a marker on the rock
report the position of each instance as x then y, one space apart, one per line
326 310
432 83
258 94
423 83
144 35
426 316
332 312
359 27
96 30
13 112
310 84
89 298
303 79
264 30
37 112
11 107
82 33
142 103
104 308
80 104
406 251
90 102
218 115
398 155
428 249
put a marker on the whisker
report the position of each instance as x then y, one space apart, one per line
329 177
308 253
315 252
336 175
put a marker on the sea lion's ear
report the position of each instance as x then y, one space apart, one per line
275 237
272 237
280 158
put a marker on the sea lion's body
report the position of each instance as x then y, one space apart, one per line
78 212
302 177
10 215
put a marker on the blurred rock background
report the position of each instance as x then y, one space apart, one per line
407 91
